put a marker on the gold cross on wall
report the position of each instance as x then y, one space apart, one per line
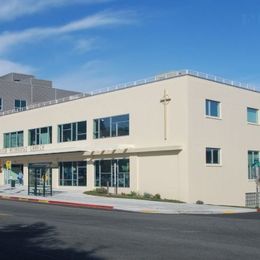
165 101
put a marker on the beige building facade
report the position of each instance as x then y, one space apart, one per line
184 135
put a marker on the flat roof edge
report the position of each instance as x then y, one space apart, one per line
153 79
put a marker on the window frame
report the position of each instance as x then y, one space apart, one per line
74 132
257 115
251 176
208 112
74 165
110 128
38 136
17 141
99 174
20 107
219 156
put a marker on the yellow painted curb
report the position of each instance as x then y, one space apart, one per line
229 212
43 201
149 211
23 199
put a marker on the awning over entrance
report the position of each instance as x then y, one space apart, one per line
92 151
133 150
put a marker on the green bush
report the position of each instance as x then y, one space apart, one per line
147 195
101 190
133 194
157 196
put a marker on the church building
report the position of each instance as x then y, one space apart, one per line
184 135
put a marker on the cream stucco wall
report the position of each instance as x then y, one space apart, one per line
160 170
146 113
228 182
155 165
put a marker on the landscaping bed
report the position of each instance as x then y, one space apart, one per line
133 195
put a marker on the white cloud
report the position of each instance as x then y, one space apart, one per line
12 9
7 66
10 39
85 45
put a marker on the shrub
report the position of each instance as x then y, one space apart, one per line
199 202
133 194
157 196
147 195
101 190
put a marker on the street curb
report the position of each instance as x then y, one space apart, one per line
57 202
110 208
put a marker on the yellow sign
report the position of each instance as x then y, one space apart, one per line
8 165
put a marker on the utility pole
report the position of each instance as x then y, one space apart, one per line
257 180
256 166
115 177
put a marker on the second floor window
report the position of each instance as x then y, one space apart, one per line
212 108
14 139
72 132
212 155
40 136
19 104
252 115
111 126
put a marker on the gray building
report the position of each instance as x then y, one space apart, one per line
20 90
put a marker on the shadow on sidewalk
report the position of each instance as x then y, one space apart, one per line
38 241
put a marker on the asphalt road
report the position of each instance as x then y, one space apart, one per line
37 231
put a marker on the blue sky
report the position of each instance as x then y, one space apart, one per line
91 44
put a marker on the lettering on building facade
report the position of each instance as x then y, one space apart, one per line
34 148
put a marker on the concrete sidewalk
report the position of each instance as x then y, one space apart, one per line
78 199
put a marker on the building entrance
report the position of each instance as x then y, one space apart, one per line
40 180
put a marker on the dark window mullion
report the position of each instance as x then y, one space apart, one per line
98 128
16 145
9 140
62 134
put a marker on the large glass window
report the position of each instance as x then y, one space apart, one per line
253 157
252 115
212 108
112 172
212 155
14 139
111 126
1 104
40 136
72 132
19 104
73 173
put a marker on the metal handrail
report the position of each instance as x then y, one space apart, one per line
136 83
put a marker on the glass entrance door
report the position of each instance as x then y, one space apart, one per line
40 180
